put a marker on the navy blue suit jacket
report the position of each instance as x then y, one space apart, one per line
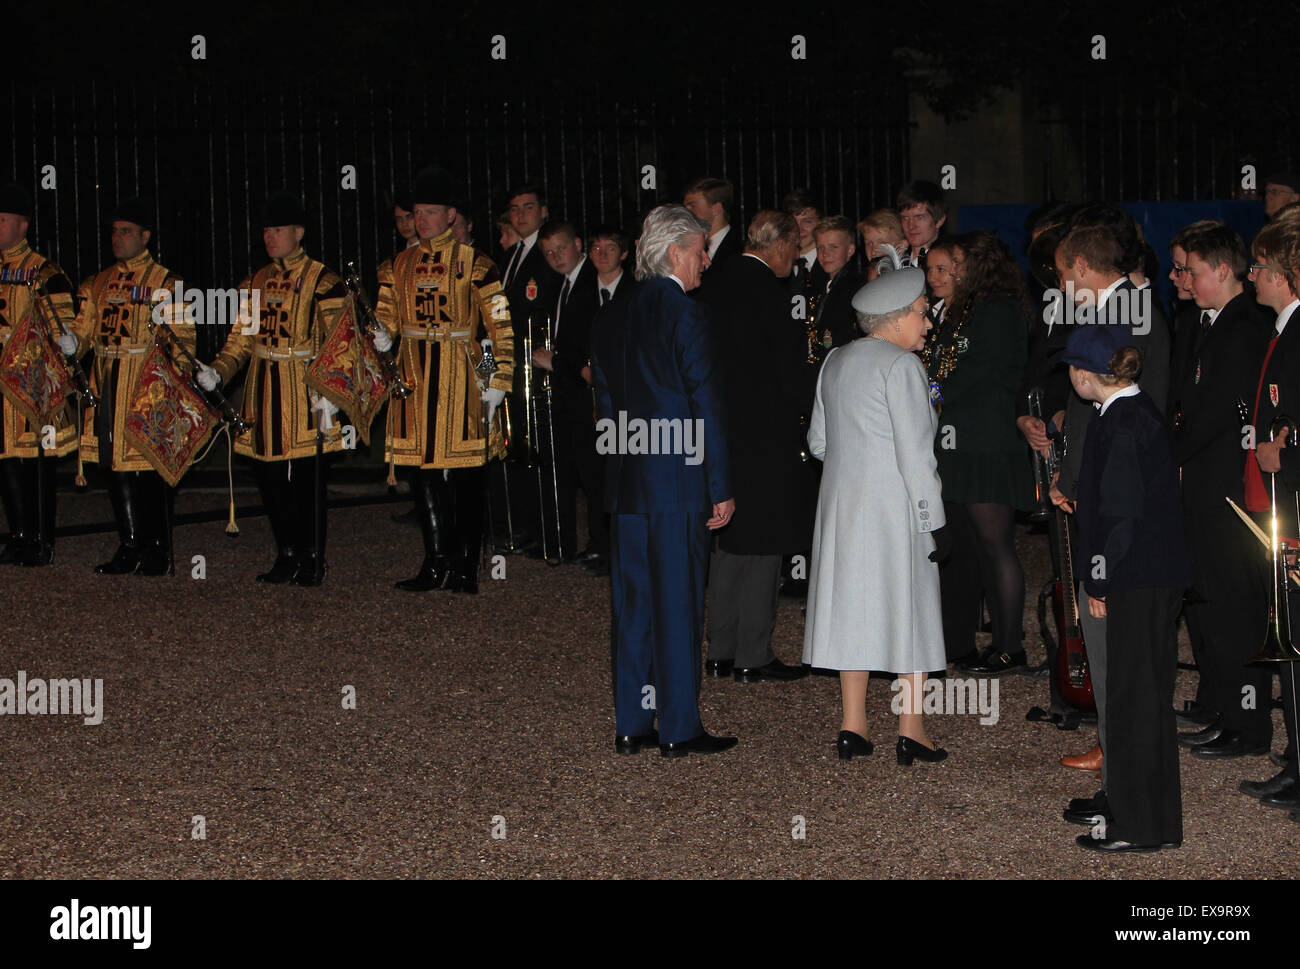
653 356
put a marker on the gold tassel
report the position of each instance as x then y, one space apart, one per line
392 456
232 529
80 479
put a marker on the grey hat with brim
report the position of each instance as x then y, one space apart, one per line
890 291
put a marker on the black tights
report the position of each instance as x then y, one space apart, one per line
983 567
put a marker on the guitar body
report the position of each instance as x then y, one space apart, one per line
1073 678
1076 689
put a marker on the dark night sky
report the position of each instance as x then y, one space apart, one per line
1220 56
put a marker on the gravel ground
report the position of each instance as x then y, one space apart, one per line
487 715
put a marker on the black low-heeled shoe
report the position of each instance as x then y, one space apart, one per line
909 750
850 743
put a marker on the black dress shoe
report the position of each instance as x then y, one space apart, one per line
1195 739
633 745
1229 743
1194 716
1287 797
1274 785
718 667
994 663
705 743
587 555
1282 759
598 568
967 660
286 564
850 744
1113 846
1097 804
125 561
910 750
1088 818
775 670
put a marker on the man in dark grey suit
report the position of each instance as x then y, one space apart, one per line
769 386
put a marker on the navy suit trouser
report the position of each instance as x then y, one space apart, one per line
658 565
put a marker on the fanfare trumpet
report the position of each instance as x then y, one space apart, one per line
163 335
1278 645
370 324
45 307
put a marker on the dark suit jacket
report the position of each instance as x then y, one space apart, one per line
1281 380
805 283
523 310
732 245
573 344
835 313
1143 314
1186 327
1128 503
1224 371
769 387
654 356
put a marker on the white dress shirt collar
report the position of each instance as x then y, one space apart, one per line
1130 391
715 240
1287 312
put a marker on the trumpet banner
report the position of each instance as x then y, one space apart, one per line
347 373
169 420
34 376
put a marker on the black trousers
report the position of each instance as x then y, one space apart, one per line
1141 742
1229 626
294 505
743 601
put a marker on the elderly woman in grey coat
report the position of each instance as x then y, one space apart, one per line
873 588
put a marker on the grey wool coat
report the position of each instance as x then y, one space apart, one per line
873 593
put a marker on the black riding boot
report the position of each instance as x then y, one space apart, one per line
157 558
38 481
277 500
12 492
309 518
124 494
469 527
431 512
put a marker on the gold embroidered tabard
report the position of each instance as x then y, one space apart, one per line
443 298
301 300
113 321
19 438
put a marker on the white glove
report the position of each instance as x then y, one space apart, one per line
486 344
207 377
68 344
493 398
326 409
383 342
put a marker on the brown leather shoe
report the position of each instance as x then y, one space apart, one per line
1089 761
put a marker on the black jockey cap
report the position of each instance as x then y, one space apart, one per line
433 187
283 208
15 200
133 210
